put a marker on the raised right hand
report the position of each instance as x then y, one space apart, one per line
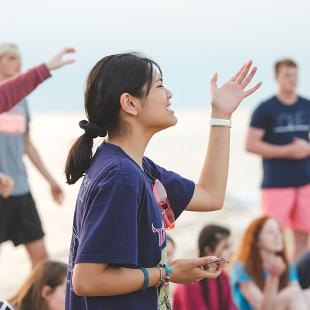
57 61
190 270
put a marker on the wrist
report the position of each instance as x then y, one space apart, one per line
48 66
220 114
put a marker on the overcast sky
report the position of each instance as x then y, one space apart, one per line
190 39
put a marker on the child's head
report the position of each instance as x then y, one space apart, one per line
264 234
44 289
124 96
214 240
10 60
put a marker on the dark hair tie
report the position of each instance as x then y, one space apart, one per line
92 130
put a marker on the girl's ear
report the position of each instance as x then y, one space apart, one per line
129 104
46 291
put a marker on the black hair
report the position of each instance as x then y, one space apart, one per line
210 236
111 77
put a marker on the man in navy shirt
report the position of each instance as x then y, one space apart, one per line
279 133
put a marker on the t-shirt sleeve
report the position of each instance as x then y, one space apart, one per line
259 118
239 274
109 231
179 190
293 276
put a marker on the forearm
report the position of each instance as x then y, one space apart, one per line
35 158
213 177
270 291
15 89
267 150
112 281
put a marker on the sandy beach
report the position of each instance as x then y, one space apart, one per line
181 149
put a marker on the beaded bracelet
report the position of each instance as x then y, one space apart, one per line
166 280
160 276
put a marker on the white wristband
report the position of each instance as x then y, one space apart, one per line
220 122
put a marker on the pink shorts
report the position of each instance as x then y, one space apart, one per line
290 205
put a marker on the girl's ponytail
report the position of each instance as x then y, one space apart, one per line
107 81
79 158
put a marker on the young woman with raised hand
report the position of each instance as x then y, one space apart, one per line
126 201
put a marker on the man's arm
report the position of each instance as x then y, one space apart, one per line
298 149
35 158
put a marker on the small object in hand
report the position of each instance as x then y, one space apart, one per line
213 266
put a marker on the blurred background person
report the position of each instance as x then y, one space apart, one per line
279 133
44 289
262 277
19 219
208 294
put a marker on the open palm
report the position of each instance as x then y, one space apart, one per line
226 99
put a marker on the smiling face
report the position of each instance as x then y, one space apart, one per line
155 111
271 237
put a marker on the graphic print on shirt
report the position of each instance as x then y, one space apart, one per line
84 186
13 123
73 249
291 122
161 233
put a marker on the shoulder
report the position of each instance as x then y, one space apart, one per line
118 168
149 165
304 100
239 273
266 104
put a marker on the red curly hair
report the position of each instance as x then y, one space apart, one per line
249 254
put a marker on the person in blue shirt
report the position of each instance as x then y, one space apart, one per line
126 202
262 277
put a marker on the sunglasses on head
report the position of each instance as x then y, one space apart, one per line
163 203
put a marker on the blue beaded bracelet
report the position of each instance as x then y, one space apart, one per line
169 271
146 279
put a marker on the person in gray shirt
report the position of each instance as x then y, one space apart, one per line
19 219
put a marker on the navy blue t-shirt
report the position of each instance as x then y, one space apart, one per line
282 124
117 221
